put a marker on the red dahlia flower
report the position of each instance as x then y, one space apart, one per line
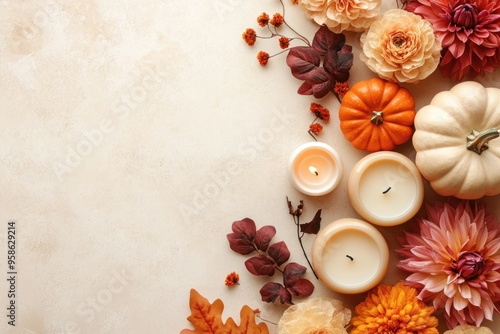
469 32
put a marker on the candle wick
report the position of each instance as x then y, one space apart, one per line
350 257
386 191
313 170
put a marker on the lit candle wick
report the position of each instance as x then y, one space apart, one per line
386 191
350 257
313 170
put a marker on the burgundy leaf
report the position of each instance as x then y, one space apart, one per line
279 252
339 63
293 271
302 60
313 226
245 227
263 237
298 212
291 210
320 77
305 89
300 287
326 40
271 291
260 265
242 246
320 90
318 84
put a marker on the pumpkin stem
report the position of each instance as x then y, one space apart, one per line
478 141
377 117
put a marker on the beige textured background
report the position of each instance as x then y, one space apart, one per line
132 134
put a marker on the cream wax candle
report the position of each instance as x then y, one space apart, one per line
315 169
386 188
350 256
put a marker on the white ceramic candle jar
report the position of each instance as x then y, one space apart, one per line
386 188
350 256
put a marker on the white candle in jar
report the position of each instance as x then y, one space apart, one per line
315 169
386 188
350 256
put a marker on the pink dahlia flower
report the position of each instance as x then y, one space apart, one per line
469 32
454 261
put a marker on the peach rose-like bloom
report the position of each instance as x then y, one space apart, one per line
401 46
468 329
316 315
340 15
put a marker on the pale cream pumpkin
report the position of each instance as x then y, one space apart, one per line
456 142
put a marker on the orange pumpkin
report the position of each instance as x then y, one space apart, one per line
377 115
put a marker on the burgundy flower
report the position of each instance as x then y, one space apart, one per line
469 32
469 266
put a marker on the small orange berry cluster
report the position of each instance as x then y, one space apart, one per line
341 88
320 112
232 279
273 24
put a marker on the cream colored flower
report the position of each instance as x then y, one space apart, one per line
467 329
401 46
316 315
340 15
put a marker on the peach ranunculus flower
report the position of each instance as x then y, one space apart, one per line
340 15
468 329
401 46
316 315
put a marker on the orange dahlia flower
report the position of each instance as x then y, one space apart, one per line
394 309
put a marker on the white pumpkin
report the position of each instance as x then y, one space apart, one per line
455 141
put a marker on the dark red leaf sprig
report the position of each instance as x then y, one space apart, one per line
311 227
246 239
323 65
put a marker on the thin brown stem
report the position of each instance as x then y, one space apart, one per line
257 315
310 131
336 95
266 37
277 54
301 37
312 135
296 221
314 120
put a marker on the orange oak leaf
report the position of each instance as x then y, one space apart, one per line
247 324
207 318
